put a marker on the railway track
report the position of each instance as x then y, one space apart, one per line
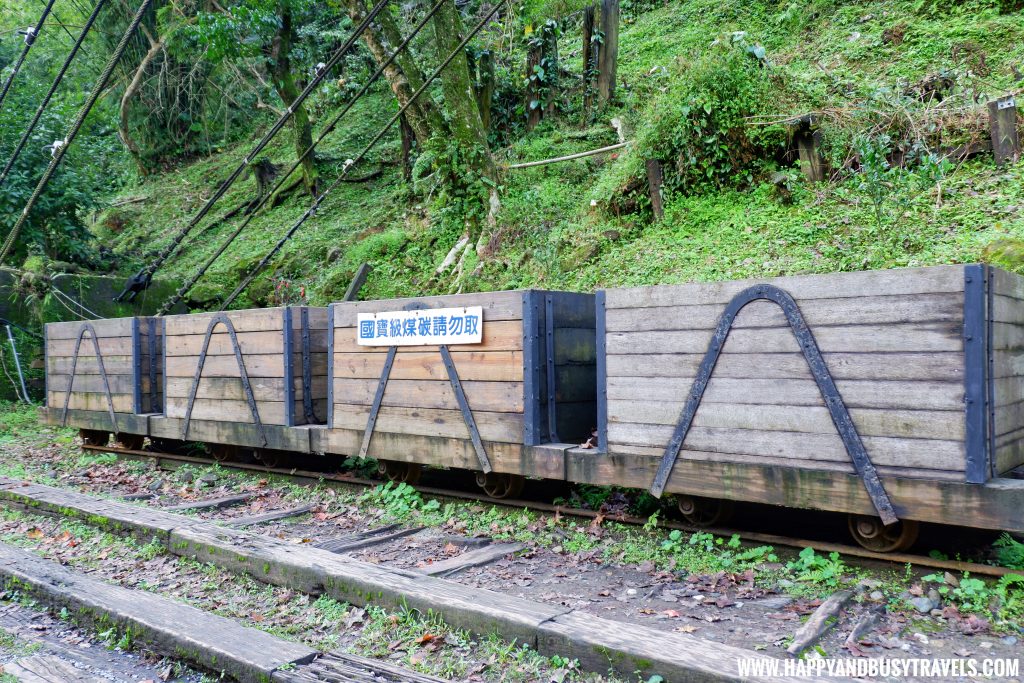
308 477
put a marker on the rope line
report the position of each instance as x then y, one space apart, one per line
349 164
187 286
53 88
68 297
31 33
144 277
60 150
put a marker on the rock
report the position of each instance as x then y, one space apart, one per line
877 596
934 596
334 254
187 476
870 583
775 603
986 645
1009 640
51 474
936 613
208 478
156 485
921 638
923 605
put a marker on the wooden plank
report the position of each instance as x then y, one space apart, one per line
504 397
47 669
213 503
109 346
1007 337
365 539
259 365
118 384
911 337
1005 283
895 282
931 454
253 320
123 403
1009 418
496 366
1007 309
87 365
874 310
234 433
795 392
445 452
472 558
497 306
251 520
502 335
1008 390
946 367
653 423
250 343
998 504
108 327
173 628
223 410
499 427
263 388
127 423
341 667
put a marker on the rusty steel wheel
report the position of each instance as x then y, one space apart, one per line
705 512
222 452
405 472
268 457
133 442
94 437
500 485
871 534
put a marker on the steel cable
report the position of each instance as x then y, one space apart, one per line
184 289
349 164
144 276
61 150
53 88
30 37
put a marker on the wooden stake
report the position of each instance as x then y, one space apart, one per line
352 293
654 182
808 145
407 138
608 55
1003 126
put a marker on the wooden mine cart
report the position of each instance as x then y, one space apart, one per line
104 376
405 388
240 378
892 395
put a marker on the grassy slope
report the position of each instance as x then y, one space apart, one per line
551 236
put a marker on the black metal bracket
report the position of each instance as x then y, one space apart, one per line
222 319
87 327
154 401
549 342
460 396
978 397
819 369
307 369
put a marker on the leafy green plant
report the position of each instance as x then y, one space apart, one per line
813 568
1009 551
399 500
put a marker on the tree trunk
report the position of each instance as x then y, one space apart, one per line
407 138
403 74
485 92
156 47
534 105
551 67
589 60
279 63
608 56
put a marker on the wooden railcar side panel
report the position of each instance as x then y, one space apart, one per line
892 340
1007 392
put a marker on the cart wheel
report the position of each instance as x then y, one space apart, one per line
500 485
870 533
222 452
94 437
131 442
405 472
705 512
268 457
161 445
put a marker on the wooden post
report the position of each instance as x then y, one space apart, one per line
589 60
654 182
534 107
352 293
1002 115
808 145
608 55
550 61
407 138
485 93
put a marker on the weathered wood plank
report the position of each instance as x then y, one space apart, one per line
119 384
923 395
500 427
661 418
365 539
213 503
87 365
472 558
249 342
127 423
504 397
931 454
123 403
496 366
832 339
253 320
945 367
500 335
251 520
109 346
1005 283
496 306
108 327
896 282
230 388
258 365
235 433
224 410
875 310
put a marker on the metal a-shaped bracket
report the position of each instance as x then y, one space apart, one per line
819 369
222 319
87 327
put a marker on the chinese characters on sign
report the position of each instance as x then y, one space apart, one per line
427 327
